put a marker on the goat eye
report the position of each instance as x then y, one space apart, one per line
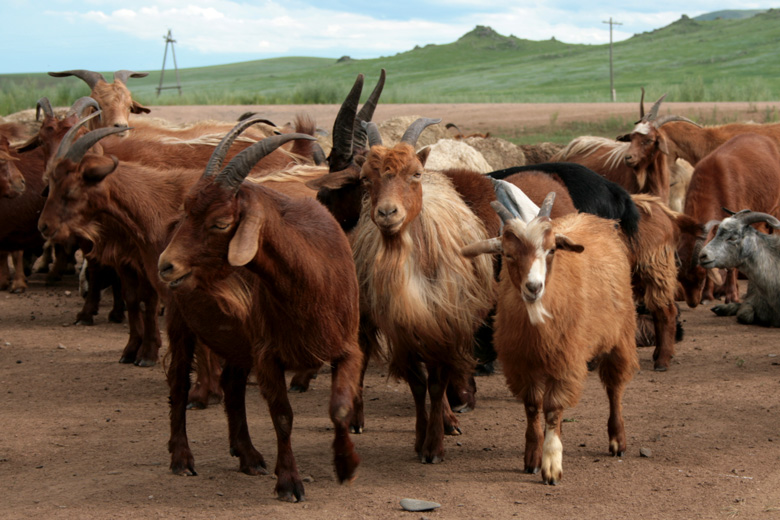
221 225
417 175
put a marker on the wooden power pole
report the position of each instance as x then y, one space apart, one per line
611 77
169 40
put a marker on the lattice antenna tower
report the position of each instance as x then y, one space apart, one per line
169 40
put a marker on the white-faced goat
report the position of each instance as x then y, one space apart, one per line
738 244
548 326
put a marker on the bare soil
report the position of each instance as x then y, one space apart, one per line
82 436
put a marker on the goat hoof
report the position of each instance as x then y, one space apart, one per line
452 430
116 318
298 389
255 470
431 459
127 360
532 470
145 363
18 290
356 429
87 322
197 405
184 471
295 494
661 368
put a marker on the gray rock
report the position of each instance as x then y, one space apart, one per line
411 504
645 452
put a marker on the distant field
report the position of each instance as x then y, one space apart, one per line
718 60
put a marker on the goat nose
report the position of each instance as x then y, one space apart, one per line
165 268
533 287
43 227
386 211
120 125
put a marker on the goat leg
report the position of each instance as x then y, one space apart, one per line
533 433
19 283
270 378
417 381
342 396
664 321
233 382
433 448
182 349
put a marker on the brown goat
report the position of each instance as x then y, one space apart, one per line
742 173
268 282
547 327
425 298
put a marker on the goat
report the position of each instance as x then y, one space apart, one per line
744 172
460 135
738 245
425 298
547 328
114 98
275 275
590 192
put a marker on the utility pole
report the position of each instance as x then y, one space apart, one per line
169 39
611 80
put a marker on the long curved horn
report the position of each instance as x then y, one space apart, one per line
45 105
654 109
415 129
238 168
372 131
547 205
76 152
81 105
503 212
642 104
753 217
220 152
343 128
122 75
668 119
489 246
367 110
89 77
70 135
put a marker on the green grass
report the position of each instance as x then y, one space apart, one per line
717 60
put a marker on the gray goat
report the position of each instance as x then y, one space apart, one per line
757 255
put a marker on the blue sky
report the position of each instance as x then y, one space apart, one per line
107 35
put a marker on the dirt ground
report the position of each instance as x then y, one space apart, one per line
82 436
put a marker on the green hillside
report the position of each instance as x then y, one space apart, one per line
717 60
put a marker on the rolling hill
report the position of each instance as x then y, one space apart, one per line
723 59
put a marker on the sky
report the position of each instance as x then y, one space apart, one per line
107 35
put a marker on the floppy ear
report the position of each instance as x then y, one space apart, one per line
138 108
245 243
565 243
422 155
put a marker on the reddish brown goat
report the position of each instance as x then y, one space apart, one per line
742 173
268 282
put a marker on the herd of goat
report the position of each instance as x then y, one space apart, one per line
273 249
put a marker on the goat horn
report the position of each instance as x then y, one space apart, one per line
238 168
654 109
670 118
122 75
372 131
729 212
220 152
752 217
343 129
89 77
547 205
45 105
415 129
81 105
503 212
367 110
642 105
70 135
76 152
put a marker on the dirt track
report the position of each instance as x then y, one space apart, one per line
82 436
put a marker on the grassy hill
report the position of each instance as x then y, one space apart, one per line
717 60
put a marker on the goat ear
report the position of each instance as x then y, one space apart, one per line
715 276
245 243
625 138
422 155
489 246
95 168
565 243
663 144
138 108
335 180
688 225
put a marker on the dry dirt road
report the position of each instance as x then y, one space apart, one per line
82 436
